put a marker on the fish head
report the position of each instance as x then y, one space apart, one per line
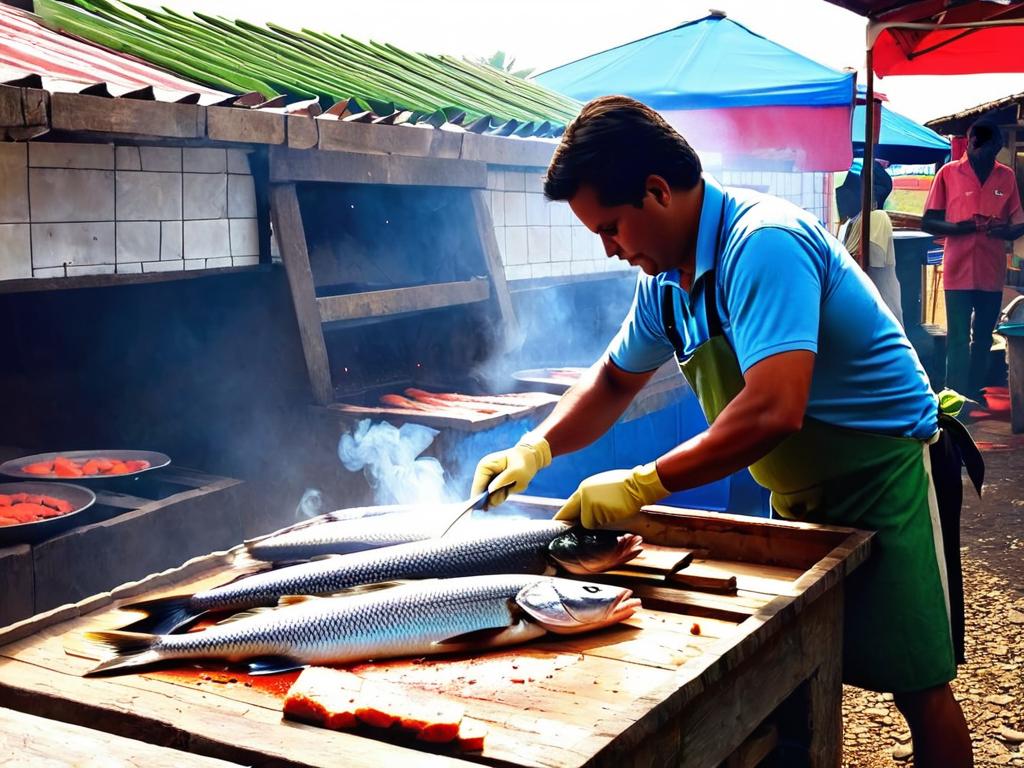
566 606
581 551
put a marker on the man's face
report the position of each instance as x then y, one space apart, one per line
641 236
982 144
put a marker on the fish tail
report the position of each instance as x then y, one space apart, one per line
163 615
131 649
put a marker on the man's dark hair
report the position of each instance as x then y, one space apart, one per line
987 129
613 145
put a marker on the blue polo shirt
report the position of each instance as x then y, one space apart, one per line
784 283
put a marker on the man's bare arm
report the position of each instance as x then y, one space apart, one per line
591 406
934 223
770 407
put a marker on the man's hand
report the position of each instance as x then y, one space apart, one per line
511 470
609 497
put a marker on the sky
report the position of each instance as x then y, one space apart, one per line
541 34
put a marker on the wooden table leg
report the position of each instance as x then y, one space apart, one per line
825 689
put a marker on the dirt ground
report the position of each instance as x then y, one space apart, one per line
990 686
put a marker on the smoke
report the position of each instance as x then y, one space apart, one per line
389 458
310 505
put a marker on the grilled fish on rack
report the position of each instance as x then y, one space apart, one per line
412 619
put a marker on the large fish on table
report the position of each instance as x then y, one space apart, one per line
412 619
526 546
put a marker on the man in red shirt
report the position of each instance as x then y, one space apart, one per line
973 202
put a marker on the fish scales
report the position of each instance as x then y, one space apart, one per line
520 549
406 620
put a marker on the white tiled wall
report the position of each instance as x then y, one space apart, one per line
809 191
538 238
72 209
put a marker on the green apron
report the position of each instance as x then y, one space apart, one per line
897 625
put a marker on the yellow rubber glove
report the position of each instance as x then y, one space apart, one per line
511 470
608 497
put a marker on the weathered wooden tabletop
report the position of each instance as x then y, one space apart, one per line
647 692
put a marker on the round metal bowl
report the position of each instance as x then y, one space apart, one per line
29 533
15 467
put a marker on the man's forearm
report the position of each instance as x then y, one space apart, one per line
586 411
745 431
937 226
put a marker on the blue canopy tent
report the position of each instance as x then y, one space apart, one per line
727 90
900 139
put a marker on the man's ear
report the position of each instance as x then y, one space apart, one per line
659 189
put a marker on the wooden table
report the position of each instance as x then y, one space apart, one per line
765 666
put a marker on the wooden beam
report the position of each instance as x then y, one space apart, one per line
302 132
252 126
336 135
291 238
396 300
24 112
288 165
498 150
63 744
75 112
495 268
23 285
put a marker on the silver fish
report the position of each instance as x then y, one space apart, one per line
413 619
526 546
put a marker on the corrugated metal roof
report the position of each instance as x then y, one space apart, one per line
31 54
369 82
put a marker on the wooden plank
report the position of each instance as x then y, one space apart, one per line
397 300
495 269
96 114
102 281
499 150
251 126
303 132
288 165
91 559
336 135
120 500
38 741
24 112
17 584
703 583
291 239
755 749
438 420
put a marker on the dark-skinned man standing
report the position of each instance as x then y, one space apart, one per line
802 373
973 202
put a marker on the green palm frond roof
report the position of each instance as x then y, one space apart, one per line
375 78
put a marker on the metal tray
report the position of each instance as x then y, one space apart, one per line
13 468
541 379
29 533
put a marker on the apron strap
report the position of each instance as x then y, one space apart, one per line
668 322
668 314
969 453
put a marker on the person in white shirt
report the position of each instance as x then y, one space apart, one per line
881 256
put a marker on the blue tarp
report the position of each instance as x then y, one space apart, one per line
900 140
709 63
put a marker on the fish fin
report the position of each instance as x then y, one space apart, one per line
131 649
372 587
163 615
246 614
477 636
284 600
321 558
271 665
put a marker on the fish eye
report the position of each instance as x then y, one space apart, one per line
591 589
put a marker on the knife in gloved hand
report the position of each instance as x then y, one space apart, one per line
476 502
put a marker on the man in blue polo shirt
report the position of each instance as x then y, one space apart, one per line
805 377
